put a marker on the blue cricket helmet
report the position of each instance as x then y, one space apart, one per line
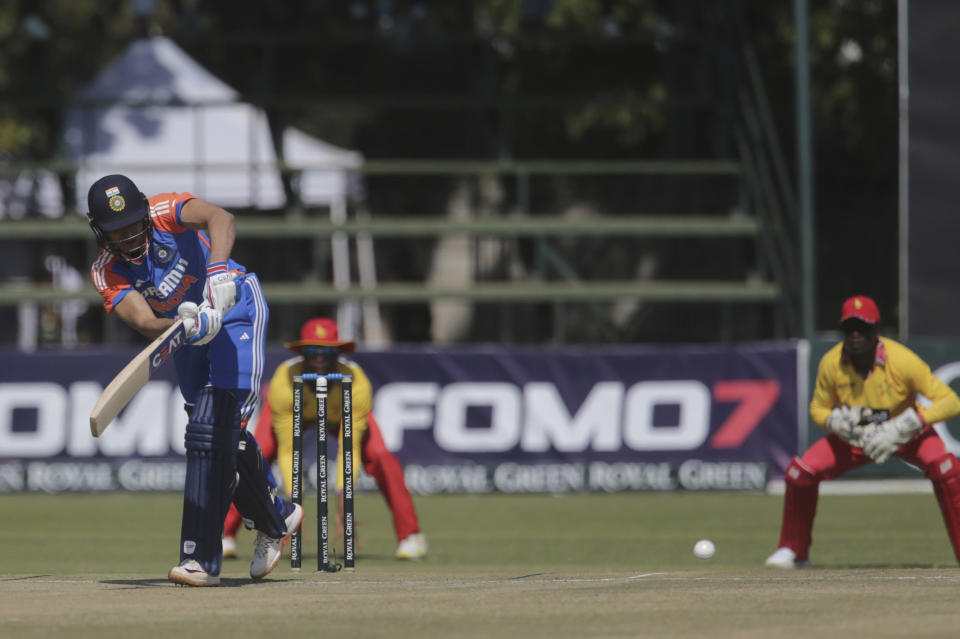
114 202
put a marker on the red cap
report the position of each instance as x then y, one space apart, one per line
321 331
860 307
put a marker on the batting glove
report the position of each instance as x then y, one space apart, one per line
884 439
220 290
201 323
844 422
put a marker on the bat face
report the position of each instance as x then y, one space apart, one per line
170 345
134 375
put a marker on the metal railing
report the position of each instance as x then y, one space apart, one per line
572 287
292 226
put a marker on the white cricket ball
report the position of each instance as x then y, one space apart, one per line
704 549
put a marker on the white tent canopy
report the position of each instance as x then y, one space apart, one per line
159 117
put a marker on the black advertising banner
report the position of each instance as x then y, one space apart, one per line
459 419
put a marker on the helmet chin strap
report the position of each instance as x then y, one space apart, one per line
132 260
135 256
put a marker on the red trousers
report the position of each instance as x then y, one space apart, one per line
378 462
831 457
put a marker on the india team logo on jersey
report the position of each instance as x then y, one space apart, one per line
162 253
116 201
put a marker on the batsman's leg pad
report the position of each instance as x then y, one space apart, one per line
944 473
211 476
255 496
799 509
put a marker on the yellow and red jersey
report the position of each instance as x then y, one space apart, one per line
280 398
892 385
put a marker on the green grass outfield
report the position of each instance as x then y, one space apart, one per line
499 566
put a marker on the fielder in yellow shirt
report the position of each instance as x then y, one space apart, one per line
866 397
280 398
320 350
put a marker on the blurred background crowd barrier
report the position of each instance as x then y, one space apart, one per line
534 174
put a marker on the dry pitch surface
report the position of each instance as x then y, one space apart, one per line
499 566
872 603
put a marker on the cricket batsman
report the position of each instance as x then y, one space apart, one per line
866 398
167 258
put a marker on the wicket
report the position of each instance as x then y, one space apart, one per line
346 479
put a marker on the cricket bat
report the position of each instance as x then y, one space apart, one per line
134 375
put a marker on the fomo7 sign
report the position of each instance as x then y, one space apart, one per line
722 403
460 420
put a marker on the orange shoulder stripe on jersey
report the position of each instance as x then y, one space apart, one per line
163 211
97 268
107 283
102 275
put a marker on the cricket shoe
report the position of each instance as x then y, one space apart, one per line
267 551
413 547
191 573
229 547
785 558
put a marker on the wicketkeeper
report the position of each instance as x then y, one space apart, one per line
319 351
169 257
866 397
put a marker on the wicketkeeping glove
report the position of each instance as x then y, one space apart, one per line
220 290
201 323
884 439
844 422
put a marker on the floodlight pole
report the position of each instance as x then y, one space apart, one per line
903 82
805 165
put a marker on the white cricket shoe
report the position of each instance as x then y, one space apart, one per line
191 573
229 547
785 558
267 551
413 547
